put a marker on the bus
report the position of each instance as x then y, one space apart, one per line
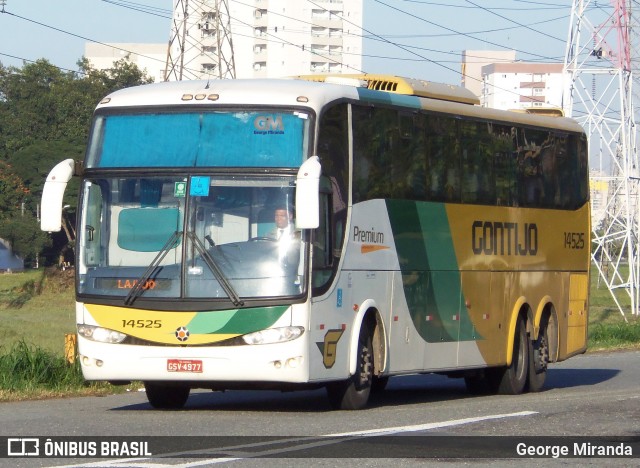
432 235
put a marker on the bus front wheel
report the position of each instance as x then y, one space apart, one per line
162 396
353 393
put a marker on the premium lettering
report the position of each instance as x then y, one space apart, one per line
363 235
499 238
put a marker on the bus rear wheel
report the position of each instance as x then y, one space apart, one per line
538 359
353 393
163 396
511 380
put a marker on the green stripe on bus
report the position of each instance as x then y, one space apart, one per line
235 321
382 97
430 275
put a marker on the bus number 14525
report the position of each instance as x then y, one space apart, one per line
574 240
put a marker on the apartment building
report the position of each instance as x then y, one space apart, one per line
474 60
270 38
522 85
276 38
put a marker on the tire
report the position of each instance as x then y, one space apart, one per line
477 384
511 380
379 384
353 393
538 359
163 396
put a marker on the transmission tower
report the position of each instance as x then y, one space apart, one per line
599 65
200 44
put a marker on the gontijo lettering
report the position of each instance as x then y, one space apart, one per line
498 238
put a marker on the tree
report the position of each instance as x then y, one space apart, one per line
33 163
45 116
27 112
13 192
24 235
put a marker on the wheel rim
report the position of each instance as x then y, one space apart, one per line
541 355
365 374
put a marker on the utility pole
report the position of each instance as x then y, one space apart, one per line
200 44
599 95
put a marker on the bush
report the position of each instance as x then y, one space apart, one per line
614 335
27 368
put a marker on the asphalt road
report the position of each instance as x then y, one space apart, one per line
587 396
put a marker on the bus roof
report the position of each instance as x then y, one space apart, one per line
260 92
550 111
315 91
401 85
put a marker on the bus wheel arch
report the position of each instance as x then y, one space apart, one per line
546 316
521 310
369 316
553 334
367 348
379 343
542 347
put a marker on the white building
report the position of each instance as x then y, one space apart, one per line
271 38
150 58
474 60
278 38
522 85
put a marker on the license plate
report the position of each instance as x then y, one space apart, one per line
184 365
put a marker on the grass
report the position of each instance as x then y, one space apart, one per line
28 372
37 310
608 328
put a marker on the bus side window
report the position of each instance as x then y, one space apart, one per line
443 160
322 249
92 240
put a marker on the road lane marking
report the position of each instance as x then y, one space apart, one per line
313 442
430 426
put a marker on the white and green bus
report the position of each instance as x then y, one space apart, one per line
432 235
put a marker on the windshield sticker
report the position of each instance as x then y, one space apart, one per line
200 186
180 189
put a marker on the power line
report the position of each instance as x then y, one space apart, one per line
453 30
550 6
490 10
275 37
161 12
76 35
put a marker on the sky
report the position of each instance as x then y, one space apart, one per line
413 38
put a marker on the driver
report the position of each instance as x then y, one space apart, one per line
284 228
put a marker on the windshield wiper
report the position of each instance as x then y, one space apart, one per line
138 287
215 269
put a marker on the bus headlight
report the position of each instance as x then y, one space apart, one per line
273 335
103 335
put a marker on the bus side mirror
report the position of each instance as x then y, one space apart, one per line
54 187
308 194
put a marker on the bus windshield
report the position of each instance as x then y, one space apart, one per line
208 237
247 138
